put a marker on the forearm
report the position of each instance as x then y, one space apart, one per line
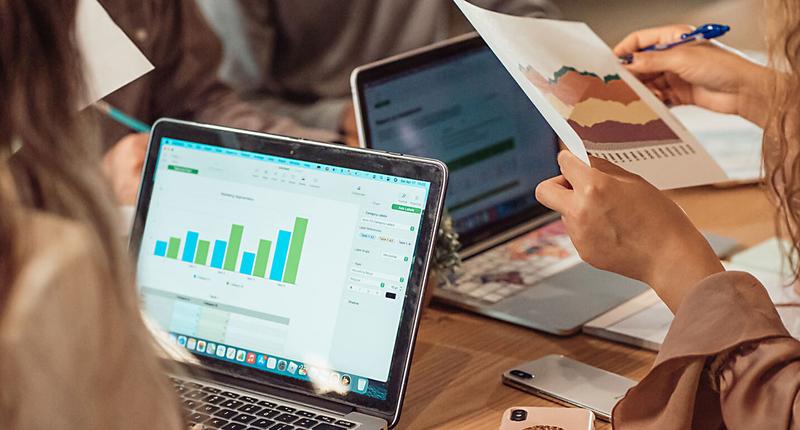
754 92
681 264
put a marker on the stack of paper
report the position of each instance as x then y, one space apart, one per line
645 320
731 140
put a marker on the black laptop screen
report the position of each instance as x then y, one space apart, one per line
459 105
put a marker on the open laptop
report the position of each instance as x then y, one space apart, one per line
455 101
292 270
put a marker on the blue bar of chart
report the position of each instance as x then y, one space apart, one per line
248 258
281 252
219 254
161 248
190 247
226 255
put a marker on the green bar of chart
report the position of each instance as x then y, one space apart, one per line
202 252
234 242
174 246
295 250
262 258
283 253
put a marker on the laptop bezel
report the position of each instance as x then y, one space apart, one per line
418 168
480 238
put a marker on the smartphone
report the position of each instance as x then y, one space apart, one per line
520 418
570 382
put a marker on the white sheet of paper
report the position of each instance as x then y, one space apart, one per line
767 256
594 104
732 141
650 324
111 60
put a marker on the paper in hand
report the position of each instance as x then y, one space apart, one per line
594 104
111 59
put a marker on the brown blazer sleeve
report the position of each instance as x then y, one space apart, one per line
727 318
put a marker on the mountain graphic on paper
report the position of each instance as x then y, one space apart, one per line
605 111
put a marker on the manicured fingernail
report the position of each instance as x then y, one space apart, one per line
626 59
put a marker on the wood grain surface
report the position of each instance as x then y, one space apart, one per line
459 357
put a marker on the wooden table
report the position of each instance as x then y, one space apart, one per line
459 357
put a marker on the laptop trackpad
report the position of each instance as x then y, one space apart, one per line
562 303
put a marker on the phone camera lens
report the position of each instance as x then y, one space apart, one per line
521 374
519 415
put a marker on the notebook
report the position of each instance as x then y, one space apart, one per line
645 320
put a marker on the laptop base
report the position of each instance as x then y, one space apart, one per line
560 304
218 406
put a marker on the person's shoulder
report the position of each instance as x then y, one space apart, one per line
59 266
51 240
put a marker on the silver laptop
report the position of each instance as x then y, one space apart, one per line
293 271
455 102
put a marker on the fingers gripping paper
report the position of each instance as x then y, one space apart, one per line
111 60
596 106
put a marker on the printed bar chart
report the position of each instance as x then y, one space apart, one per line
228 255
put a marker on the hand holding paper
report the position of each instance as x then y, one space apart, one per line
596 106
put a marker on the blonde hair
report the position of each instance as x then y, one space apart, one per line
781 147
56 171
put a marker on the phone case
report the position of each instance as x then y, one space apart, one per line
548 419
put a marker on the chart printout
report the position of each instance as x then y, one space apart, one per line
596 106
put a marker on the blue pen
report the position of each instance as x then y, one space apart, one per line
704 32
122 118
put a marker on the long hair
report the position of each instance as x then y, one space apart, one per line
781 149
50 163
55 168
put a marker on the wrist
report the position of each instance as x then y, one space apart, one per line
753 97
682 262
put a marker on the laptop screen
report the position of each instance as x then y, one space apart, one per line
286 266
459 105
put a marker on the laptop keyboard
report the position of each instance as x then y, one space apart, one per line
506 270
492 289
217 408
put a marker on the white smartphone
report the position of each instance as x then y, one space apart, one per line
569 382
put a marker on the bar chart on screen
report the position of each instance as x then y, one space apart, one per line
279 262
